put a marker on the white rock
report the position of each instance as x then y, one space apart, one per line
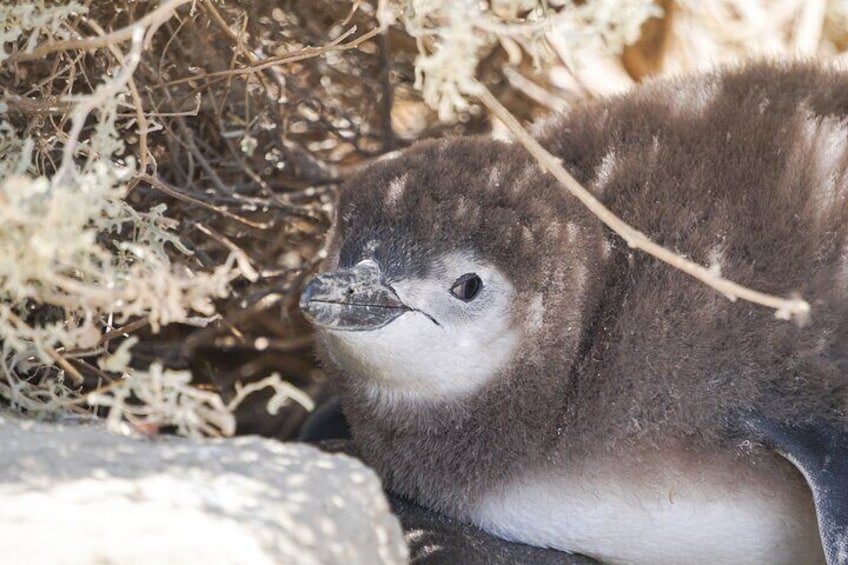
73 493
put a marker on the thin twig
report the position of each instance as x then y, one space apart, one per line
141 118
75 376
785 308
170 191
188 143
123 330
299 55
87 104
532 90
242 259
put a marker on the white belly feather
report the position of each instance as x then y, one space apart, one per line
714 515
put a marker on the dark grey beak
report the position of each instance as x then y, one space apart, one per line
355 299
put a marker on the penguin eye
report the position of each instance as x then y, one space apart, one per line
467 287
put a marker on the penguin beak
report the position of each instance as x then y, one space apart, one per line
355 299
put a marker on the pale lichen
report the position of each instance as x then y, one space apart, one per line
453 36
54 257
35 20
150 400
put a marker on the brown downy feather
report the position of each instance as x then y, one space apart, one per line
744 169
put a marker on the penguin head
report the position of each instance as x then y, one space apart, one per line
439 277
444 332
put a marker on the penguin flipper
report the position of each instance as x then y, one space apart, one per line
327 421
819 450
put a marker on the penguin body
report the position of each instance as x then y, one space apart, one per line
506 359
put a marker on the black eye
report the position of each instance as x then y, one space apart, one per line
467 287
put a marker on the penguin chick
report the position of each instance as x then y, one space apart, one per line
504 358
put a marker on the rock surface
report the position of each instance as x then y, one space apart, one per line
74 493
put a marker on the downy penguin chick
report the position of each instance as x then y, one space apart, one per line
506 359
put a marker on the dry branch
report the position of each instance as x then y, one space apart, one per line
785 308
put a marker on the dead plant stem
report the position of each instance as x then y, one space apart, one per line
785 308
